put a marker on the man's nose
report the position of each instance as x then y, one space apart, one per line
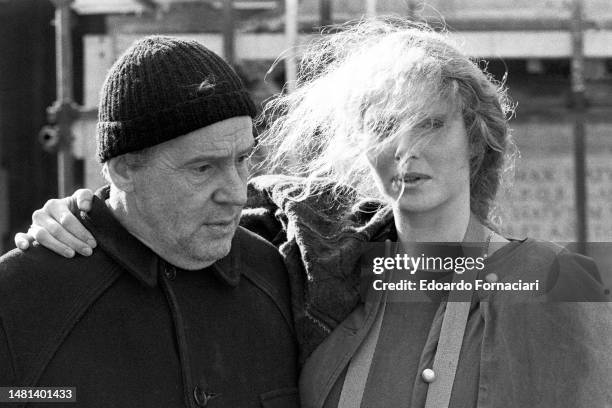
232 189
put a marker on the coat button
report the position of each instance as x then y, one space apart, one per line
428 375
491 277
202 398
170 272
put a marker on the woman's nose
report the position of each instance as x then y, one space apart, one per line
406 150
404 158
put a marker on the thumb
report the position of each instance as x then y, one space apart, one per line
23 241
81 200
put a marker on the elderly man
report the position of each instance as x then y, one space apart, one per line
180 307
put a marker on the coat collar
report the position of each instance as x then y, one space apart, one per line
136 257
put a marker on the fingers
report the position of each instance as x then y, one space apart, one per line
83 199
57 236
48 241
23 241
55 227
66 228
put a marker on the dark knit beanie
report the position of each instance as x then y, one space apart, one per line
162 88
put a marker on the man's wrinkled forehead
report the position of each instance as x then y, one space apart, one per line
219 140
221 149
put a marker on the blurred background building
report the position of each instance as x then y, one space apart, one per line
557 55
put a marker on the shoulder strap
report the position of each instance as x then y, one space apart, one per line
359 367
454 322
449 347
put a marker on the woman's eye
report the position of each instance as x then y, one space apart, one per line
431 124
384 128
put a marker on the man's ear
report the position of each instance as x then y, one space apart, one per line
120 174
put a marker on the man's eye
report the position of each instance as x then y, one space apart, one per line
203 168
244 158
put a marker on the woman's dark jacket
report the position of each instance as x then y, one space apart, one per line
129 330
564 349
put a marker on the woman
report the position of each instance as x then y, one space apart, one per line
401 138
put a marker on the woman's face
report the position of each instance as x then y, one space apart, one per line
435 174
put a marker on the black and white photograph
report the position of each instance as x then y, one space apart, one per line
306 203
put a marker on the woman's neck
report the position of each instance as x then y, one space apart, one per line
442 224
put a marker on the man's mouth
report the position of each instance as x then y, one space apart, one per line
222 227
221 222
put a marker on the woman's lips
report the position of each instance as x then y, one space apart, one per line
415 177
409 180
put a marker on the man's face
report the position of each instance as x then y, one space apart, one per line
189 196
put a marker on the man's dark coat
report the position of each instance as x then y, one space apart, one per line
129 330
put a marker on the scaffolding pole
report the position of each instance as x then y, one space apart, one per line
228 32
291 36
579 106
370 8
325 13
63 111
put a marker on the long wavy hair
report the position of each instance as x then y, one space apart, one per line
370 81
